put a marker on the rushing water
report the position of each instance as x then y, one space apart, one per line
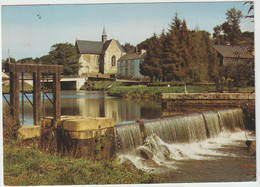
94 104
192 136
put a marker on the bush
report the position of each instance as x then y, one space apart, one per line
10 127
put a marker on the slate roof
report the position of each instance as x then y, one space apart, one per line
232 51
94 47
132 56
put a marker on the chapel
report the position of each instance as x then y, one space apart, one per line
99 57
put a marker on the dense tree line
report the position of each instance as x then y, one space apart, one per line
60 54
179 55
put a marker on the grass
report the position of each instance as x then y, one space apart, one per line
96 85
141 91
32 167
27 87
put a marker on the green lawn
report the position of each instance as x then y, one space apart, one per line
155 92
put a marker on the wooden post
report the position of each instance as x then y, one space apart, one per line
36 98
43 101
22 99
14 95
56 97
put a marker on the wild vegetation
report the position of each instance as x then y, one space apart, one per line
28 166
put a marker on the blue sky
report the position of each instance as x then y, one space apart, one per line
28 36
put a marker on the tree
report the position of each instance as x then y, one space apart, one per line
64 54
179 55
6 61
129 48
26 61
152 63
219 39
230 28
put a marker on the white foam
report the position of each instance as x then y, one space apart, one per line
168 155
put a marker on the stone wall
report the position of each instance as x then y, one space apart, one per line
89 63
113 50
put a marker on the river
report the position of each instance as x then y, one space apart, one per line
95 104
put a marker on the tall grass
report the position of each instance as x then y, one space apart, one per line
32 167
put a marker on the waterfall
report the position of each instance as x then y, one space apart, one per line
188 128
134 138
212 123
128 137
231 120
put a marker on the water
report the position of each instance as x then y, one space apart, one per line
95 104
192 136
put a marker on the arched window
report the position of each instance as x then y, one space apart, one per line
113 60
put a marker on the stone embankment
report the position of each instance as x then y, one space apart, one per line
207 99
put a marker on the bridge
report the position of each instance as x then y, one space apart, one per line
66 83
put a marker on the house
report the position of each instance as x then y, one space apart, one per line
99 57
129 64
233 53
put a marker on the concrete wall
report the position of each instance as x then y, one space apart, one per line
198 100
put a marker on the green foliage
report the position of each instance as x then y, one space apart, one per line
27 87
241 73
154 92
26 61
64 54
230 28
31 167
96 85
10 127
129 48
179 55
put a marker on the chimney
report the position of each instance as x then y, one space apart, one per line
143 51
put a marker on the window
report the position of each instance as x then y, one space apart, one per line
113 60
97 60
132 71
132 67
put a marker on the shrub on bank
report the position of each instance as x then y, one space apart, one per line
10 127
32 167
27 87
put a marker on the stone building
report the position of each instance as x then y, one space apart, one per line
128 65
233 54
99 57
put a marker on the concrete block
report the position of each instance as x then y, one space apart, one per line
83 124
29 132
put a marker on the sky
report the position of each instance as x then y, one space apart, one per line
25 35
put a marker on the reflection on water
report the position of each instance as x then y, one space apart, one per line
96 104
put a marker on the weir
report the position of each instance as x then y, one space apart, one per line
179 129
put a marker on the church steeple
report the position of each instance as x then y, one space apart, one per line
104 35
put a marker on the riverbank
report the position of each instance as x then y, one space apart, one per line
141 91
29 166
